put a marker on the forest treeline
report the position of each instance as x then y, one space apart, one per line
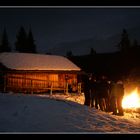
24 42
122 64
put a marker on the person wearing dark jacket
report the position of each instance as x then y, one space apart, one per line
102 90
86 89
117 94
93 93
120 91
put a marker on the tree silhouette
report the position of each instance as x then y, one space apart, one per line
69 54
135 51
21 43
124 44
92 51
5 46
31 47
135 44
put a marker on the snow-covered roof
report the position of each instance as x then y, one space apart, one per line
29 61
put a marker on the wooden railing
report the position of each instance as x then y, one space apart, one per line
21 84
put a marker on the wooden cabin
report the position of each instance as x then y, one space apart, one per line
35 73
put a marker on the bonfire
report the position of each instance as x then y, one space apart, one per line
131 101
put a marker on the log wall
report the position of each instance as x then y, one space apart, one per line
35 82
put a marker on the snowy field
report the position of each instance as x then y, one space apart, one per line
22 113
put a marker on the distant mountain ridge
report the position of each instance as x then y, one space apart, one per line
82 47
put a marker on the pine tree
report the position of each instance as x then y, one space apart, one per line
135 47
124 44
92 51
135 44
31 47
5 46
21 43
69 54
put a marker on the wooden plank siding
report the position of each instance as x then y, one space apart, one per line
39 81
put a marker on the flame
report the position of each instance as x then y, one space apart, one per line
132 100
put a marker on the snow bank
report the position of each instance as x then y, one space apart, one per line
20 113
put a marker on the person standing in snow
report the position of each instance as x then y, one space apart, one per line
93 98
103 93
120 93
86 88
113 105
109 96
117 94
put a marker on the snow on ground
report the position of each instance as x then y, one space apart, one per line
22 113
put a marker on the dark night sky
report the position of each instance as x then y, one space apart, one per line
51 25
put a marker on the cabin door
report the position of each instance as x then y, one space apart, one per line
53 78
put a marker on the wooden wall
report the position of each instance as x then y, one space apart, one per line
34 82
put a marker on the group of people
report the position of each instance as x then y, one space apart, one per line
103 94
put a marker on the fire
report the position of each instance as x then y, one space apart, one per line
131 101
